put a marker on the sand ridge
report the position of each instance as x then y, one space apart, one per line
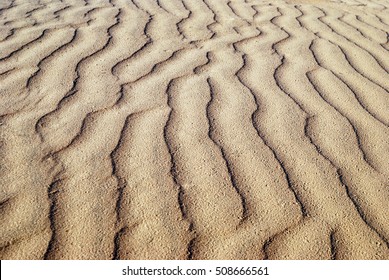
182 129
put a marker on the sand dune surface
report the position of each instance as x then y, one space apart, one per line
194 129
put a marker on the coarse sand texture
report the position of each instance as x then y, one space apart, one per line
194 129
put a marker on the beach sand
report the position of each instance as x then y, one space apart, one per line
194 129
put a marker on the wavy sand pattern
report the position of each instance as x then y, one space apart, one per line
194 129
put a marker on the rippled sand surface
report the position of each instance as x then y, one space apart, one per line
194 129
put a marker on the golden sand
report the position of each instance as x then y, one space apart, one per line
194 129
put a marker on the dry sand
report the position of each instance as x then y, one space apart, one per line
194 129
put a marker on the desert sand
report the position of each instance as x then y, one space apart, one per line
194 129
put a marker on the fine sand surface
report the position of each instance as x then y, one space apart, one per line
194 129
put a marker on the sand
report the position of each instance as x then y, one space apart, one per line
194 129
